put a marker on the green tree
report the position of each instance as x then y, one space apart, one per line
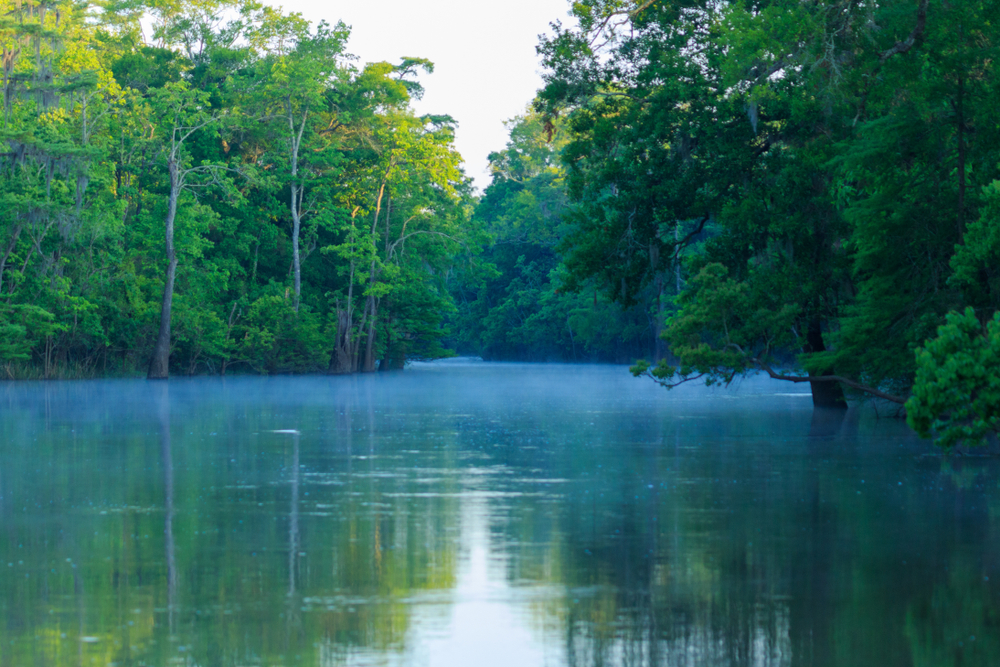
184 112
956 396
119 135
298 68
528 306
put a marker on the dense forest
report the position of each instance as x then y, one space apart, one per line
230 192
809 190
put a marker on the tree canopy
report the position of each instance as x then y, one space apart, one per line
836 163
229 191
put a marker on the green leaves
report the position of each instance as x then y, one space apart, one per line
842 157
518 304
252 130
956 396
723 329
22 327
976 263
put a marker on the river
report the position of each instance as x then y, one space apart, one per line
474 514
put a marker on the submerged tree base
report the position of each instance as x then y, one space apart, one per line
828 395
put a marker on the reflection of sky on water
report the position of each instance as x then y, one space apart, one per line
478 514
486 624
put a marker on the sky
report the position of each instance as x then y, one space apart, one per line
485 67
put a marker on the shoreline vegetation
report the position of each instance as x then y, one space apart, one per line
712 190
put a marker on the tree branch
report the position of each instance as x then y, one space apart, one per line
827 378
670 385
392 248
915 38
680 245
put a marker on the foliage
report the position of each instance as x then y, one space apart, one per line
956 396
227 143
809 186
525 306
721 330
837 160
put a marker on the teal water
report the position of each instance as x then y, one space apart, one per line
483 514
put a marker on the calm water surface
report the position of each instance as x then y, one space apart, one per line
482 514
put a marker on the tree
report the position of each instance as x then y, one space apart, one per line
298 69
117 128
405 179
184 112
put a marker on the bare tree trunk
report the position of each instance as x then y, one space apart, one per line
355 357
297 193
341 361
356 343
296 263
159 365
367 363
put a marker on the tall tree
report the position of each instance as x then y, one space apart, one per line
299 68
183 112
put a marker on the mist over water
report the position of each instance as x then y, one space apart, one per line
464 513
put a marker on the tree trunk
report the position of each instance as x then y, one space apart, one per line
356 343
297 194
824 394
340 360
384 362
296 264
368 365
159 365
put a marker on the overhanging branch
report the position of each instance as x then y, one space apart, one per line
827 378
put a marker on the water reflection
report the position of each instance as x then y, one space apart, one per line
293 542
482 515
168 501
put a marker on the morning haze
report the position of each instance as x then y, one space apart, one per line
701 369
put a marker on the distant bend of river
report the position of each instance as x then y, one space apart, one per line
478 514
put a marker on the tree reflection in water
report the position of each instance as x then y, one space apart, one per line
619 528
168 501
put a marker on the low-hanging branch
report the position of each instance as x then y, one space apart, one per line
673 379
828 378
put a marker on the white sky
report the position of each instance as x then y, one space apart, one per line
486 70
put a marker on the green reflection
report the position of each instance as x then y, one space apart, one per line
142 540
312 521
799 538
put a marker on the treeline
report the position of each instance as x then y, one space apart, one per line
846 156
230 191
525 304
722 188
